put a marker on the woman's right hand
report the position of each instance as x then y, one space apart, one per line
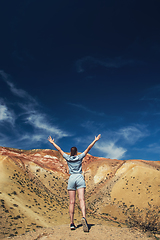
98 137
50 139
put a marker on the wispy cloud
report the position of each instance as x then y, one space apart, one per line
90 62
117 142
29 116
80 106
39 121
133 133
18 92
6 115
105 147
110 150
154 147
151 99
152 94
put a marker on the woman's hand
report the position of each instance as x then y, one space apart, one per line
50 139
55 145
98 137
91 145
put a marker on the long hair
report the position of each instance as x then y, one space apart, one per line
73 151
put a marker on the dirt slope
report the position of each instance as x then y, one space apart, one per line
33 190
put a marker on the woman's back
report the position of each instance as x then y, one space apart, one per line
74 163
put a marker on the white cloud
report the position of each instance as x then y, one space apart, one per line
39 121
22 140
6 115
90 62
29 113
111 150
31 138
18 92
117 142
132 133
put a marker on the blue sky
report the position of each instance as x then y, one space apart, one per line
74 69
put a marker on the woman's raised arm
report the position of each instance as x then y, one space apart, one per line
91 145
55 145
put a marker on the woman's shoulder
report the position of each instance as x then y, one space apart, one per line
66 156
81 155
74 158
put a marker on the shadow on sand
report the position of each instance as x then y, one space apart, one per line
89 226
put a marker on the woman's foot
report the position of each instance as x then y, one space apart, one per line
85 225
72 226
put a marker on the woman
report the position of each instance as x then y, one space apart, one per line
76 180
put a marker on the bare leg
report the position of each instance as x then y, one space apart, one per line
82 201
72 197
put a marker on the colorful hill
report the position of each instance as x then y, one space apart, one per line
33 191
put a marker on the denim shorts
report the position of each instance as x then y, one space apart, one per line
76 181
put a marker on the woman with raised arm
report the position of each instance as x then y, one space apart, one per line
76 180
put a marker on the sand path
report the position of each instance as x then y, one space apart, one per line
102 232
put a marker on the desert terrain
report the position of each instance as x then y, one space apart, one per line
34 197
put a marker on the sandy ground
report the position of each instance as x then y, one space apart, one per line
62 232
